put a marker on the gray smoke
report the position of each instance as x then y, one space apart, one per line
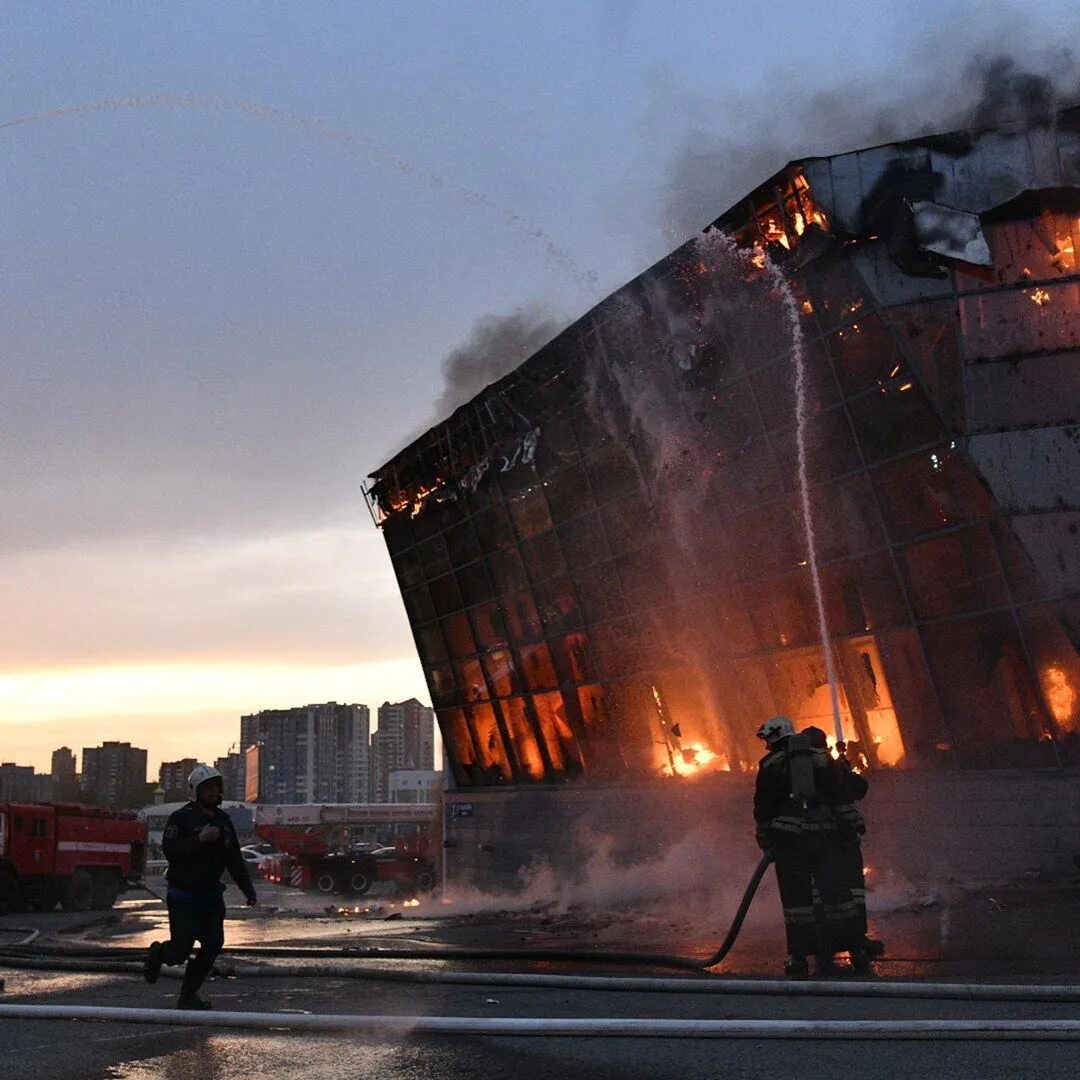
496 345
710 171
1009 92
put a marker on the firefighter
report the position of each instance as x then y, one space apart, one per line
795 819
847 787
200 843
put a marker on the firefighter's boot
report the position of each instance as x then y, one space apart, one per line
152 963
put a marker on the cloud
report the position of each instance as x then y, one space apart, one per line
306 596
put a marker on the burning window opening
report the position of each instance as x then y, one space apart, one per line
780 217
684 756
388 495
1060 695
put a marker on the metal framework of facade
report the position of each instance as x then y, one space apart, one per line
602 555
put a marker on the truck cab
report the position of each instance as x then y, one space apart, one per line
81 856
31 835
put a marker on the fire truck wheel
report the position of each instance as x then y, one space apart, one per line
106 890
359 882
9 892
78 893
424 880
325 882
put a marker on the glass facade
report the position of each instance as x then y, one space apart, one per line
604 559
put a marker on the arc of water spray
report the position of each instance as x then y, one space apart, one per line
312 126
798 356
728 244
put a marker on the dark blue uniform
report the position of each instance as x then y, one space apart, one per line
196 892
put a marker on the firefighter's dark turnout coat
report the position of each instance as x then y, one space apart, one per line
195 897
803 812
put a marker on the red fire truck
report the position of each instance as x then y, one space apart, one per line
308 861
81 856
313 852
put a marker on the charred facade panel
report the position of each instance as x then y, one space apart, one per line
603 557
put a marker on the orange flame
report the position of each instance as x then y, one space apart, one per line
413 501
1060 693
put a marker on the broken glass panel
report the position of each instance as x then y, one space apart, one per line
894 421
953 574
985 688
1036 319
924 493
523 737
489 743
446 594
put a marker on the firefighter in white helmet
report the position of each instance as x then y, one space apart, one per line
795 810
200 843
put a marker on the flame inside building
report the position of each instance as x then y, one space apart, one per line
603 556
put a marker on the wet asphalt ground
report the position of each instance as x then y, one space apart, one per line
1025 934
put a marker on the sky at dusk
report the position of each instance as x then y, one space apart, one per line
223 307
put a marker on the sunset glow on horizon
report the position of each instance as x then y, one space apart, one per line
177 710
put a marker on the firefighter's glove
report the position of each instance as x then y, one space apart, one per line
763 837
252 899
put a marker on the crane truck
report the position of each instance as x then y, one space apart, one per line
314 853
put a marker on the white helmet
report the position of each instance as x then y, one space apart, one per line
199 775
779 727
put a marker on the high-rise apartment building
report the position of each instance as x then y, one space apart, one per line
173 777
65 782
312 753
232 770
114 775
19 783
405 739
353 753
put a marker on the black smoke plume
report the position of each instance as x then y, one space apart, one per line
719 162
496 345
1010 93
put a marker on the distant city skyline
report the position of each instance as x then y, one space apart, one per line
218 745
325 752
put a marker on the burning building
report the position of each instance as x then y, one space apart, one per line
605 555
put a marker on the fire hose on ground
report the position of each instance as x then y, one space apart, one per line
112 960
576 1027
682 963
1013 992
106 960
